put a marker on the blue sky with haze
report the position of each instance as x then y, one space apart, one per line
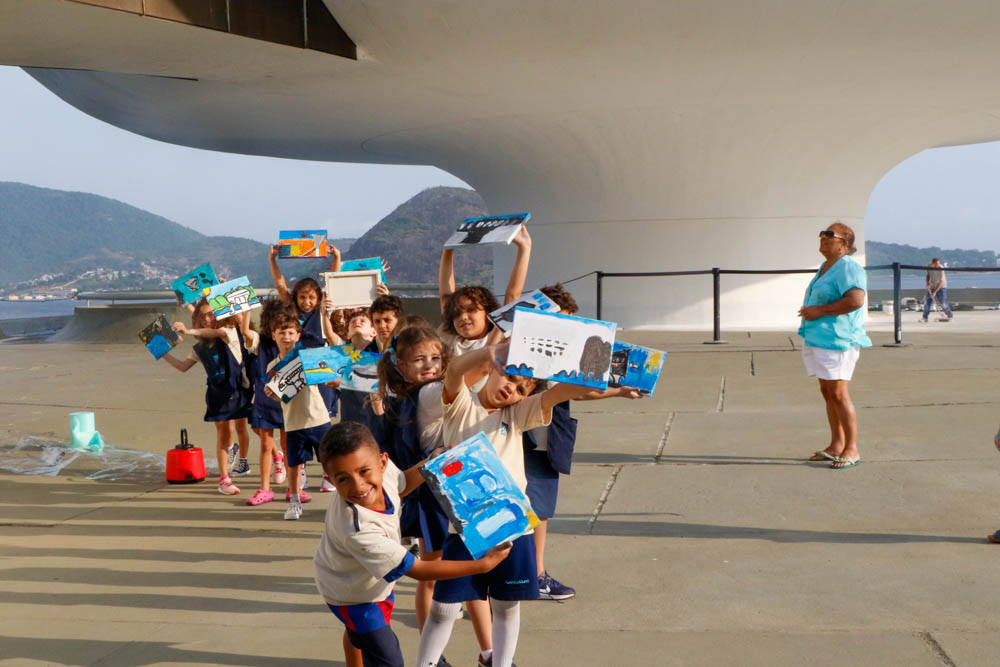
946 196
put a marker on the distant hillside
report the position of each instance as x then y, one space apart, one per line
55 237
886 253
411 237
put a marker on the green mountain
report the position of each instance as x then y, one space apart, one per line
55 237
886 253
410 238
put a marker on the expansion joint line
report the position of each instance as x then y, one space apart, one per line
604 498
753 369
936 649
663 438
722 396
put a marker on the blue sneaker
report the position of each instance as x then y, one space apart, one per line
550 589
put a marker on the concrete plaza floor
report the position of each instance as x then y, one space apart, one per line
692 528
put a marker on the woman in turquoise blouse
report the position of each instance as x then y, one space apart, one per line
833 326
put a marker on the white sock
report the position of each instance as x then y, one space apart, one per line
506 626
437 632
294 498
485 655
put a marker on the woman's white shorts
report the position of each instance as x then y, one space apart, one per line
829 364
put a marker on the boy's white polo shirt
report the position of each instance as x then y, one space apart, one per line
465 416
359 547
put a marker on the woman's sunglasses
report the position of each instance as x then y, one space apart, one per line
826 233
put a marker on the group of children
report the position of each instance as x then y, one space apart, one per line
437 387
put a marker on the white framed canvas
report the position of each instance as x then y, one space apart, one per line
351 289
503 317
488 230
561 348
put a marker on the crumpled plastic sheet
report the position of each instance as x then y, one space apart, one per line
36 455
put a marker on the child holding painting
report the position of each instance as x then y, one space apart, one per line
222 351
503 409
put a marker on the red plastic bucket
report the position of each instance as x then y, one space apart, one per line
185 463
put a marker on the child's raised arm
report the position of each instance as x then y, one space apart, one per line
335 253
446 277
611 392
471 362
560 392
520 271
279 280
331 336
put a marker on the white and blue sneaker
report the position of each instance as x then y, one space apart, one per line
550 589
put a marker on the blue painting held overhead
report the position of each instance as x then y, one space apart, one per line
478 495
561 348
366 264
489 230
356 369
192 285
636 366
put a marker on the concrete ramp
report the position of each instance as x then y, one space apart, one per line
115 324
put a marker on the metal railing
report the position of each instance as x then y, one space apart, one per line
156 296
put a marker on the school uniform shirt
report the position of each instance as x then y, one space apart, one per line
306 410
430 417
360 555
457 346
464 417
232 340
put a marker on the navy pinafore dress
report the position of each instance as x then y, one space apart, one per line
312 336
226 397
266 412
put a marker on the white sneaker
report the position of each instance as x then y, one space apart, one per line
326 486
294 511
227 488
305 481
278 473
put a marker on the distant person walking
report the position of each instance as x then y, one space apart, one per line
937 289
833 327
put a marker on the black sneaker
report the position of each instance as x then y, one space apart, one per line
241 468
488 662
231 453
550 589
443 663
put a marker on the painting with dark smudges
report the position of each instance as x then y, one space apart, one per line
561 348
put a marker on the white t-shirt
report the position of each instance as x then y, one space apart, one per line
457 346
430 417
464 417
306 409
359 547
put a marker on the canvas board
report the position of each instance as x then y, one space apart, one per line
232 298
636 366
561 348
192 285
351 289
285 379
366 264
356 369
302 243
488 230
159 337
503 317
479 496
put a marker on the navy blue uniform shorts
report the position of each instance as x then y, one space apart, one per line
304 443
543 483
515 578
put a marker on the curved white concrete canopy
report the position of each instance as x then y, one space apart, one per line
642 136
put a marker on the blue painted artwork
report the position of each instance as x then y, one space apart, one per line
356 369
159 337
285 378
192 285
489 230
366 264
561 348
479 496
503 317
232 298
302 243
636 366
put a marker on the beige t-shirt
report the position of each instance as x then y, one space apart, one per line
457 346
306 410
464 417
359 547
430 417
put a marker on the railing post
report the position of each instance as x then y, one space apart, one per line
716 308
897 314
600 287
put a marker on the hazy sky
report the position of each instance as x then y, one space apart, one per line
948 197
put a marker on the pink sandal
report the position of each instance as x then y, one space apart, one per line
261 497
